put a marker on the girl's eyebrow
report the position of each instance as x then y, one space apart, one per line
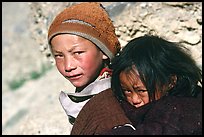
127 87
136 87
139 87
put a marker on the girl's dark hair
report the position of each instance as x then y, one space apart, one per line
156 60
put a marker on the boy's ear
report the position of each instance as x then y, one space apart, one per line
104 56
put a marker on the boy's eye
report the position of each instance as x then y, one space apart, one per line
78 52
58 56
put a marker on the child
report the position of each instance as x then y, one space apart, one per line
83 42
157 83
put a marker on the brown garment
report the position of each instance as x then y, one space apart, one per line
170 115
101 113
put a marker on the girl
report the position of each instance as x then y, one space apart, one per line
157 83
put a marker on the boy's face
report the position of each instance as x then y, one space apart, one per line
77 59
133 88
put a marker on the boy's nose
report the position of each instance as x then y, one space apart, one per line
69 64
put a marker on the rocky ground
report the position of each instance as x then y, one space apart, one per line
33 108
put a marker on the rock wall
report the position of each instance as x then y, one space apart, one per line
177 21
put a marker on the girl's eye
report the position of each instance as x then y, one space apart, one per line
127 91
141 90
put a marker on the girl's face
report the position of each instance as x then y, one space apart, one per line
133 88
77 59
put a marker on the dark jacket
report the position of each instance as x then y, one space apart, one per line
170 115
101 113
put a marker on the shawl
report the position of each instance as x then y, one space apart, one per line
72 103
170 115
99 114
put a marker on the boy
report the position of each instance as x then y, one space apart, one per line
83 41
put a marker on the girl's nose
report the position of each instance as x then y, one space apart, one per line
136 99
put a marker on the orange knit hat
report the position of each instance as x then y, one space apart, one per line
88 20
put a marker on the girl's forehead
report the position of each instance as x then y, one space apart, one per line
130 76
131 80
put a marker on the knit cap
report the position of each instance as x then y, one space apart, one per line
88 20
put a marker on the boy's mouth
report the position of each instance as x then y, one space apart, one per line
74 77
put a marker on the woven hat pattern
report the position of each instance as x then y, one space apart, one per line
89 20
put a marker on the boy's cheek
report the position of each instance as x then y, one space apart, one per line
60 68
